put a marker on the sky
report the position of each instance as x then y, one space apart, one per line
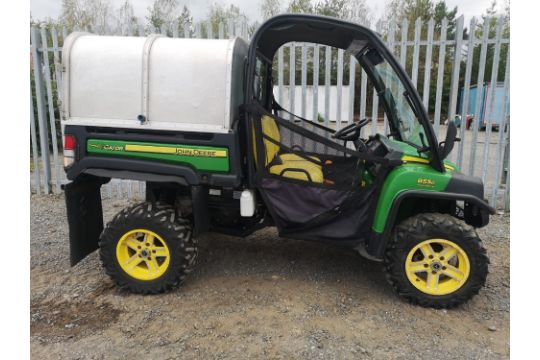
41 9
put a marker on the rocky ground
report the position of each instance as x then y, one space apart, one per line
259 297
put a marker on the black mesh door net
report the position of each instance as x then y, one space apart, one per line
314 187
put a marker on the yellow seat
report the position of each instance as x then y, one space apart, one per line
291 165
299 170
294 157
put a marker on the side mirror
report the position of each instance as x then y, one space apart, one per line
447 145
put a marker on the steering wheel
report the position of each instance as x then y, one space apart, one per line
350 132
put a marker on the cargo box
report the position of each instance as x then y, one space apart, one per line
156 82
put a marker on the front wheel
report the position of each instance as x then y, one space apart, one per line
436 260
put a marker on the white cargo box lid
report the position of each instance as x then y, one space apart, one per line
176 84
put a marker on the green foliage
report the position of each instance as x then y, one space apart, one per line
441 12
427 9
125 18
185 21
222 14
300 7
162 13
424 10
354 10
490 15
334 8
75 15
418 9
94 15
270 8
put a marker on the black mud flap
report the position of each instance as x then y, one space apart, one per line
85 216
201 220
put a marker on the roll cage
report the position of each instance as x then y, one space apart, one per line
356 39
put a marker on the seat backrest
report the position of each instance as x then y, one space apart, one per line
271 130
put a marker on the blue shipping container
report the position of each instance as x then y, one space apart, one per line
497 111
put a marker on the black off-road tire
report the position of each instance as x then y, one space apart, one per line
161 219
416 229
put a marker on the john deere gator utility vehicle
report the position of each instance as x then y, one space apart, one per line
197 121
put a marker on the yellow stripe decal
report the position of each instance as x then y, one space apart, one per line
415 159
420 160
176 150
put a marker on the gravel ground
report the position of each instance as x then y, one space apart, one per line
259 297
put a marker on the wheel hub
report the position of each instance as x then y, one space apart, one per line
144 253
436 266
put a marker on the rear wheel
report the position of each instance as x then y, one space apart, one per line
147 249
436 260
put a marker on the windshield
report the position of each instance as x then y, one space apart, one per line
405 119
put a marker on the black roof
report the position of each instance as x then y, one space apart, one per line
323 30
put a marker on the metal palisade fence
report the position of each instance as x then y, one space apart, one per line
457 71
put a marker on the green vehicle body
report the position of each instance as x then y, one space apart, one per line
411 176
415 174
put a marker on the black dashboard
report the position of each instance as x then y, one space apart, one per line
377 146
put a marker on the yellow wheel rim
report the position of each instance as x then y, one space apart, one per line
143 254
437 267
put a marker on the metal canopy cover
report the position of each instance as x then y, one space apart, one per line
177 84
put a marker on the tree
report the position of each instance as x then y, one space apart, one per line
185 21
220 14
492 15
102 15
359 12
92 15
300 7
418 9
394 9
125 18
333 8
411 10
441 12
270 8
162 12
74 15
393 12
352 10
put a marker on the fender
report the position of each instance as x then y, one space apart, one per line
85 213
377 242
133 169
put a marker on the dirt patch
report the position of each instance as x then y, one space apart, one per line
262 297
56 321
